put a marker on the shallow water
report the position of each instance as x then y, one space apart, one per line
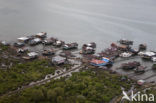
101 21
130 73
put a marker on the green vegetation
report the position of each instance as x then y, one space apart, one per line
150 91
15 72
82 87
3 47
22 74
7 57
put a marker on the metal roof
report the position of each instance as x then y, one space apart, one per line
31 54
23 38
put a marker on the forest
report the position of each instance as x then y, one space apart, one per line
83 87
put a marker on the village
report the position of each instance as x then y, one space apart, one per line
60 52
54 59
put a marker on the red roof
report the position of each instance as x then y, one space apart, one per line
97 61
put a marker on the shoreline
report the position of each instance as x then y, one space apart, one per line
79 60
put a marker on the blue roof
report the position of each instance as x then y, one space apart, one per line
105 62
105 59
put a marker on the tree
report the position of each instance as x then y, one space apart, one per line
81 99
44 91
59 91
37 95
59 99
51 95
